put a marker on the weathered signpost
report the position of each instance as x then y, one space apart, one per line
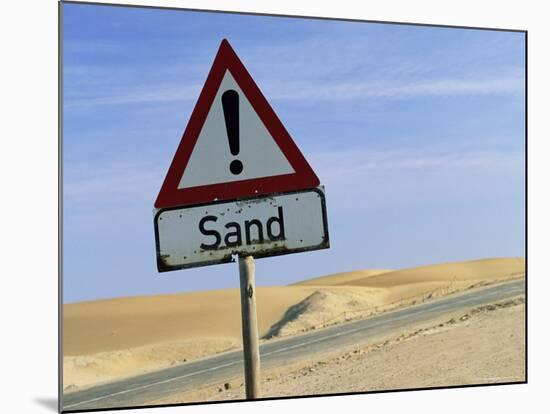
238 186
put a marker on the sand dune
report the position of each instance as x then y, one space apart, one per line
341 278
485 269
115 324
109 339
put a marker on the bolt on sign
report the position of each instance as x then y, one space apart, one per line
238 184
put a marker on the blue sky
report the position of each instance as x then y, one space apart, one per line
416 132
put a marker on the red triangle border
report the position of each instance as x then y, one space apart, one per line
303 177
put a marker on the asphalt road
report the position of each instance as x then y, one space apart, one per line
143 389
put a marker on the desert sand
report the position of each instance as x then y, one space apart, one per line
485 345
341 278
106 340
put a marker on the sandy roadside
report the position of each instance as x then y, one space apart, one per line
477 346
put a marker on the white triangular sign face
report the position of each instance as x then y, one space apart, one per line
234 145
210 160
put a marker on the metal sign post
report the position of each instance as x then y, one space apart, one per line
251 347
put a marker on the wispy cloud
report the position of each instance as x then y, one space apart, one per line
347 66
358 180
319 91
138 95
113 183
351 163
86 47
398 90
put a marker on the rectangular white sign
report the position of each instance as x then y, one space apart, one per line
265 226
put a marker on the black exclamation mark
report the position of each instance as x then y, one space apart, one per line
230 103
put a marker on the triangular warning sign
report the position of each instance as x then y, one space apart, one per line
234 145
